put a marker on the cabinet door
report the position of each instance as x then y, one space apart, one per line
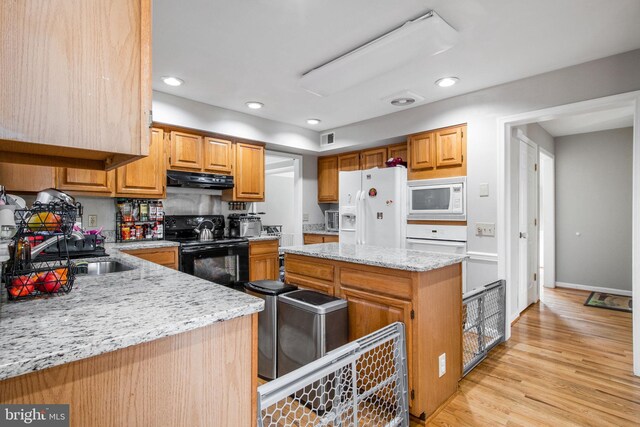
163 256
186 151
249 171
422 151
449 147
328 179
18 178
310 239
218 156
349 162
264 267
78 79
398 150
373 158
145 177
85 181
330 239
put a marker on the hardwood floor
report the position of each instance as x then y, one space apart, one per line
565 365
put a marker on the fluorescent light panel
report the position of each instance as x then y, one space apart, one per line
426 35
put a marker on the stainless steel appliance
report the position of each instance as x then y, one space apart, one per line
310 325
331 219
438 199
245 225
221 260
268 290
198 180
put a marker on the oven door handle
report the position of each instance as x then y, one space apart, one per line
209 248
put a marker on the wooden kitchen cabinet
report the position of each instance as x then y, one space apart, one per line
349 162
145 178
163 256
80 82
374 158
264 260
398 150
185 151
248 173
311 238
85 181
438 153
328 179
19 178
218 155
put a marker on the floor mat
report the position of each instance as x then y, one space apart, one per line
609 301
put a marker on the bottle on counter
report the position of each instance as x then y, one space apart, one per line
23 254
160 211
144 210
153 209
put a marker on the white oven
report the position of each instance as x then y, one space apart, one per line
438 199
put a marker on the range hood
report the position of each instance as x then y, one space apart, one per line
198 180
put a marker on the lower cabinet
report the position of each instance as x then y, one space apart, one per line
311 239
264 260
163 256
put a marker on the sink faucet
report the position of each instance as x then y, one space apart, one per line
75 235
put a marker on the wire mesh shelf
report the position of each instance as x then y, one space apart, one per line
362 383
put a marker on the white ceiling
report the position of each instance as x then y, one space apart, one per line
615 118
230 52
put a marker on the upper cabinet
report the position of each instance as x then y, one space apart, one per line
80 90
398 150
248 176
349 162
374 158
26 178
438 153
328 179
218 155
85 181
145 177
186 151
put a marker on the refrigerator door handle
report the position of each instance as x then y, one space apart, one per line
358 217
363 228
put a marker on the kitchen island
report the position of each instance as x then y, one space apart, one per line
148 346
384 285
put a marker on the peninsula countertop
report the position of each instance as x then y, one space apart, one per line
110 312
379 256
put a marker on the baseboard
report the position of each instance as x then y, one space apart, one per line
592 288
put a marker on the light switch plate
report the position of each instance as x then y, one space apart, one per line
93 220
442 364
484 190
487 229
305 217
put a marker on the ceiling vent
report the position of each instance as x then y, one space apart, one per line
423 36
327 138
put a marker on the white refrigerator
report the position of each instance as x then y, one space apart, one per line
373 207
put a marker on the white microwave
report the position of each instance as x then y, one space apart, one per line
438 199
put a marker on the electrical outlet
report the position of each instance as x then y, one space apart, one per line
305 217
442 364
93 220
487 229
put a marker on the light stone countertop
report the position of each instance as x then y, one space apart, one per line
378 256
111 312
142 244
262 238
323 232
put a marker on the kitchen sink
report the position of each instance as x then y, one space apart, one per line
99 268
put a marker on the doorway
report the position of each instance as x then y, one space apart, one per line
547 228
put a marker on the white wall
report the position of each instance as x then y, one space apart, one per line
310 204
480 110
171 109
278 204
593 198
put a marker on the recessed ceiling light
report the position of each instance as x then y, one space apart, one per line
313 121
402 102
172 81
255 105
447 81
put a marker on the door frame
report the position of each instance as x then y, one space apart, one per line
549 233
523 293
505 206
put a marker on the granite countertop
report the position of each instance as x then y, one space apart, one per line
323 232
111 312
261 238
134 245
378 256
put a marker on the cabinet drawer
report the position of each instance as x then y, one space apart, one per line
331 239
268 247
309 269
163 256
311 239
375 282
309 283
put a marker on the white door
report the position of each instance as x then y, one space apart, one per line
384 207
547 228
527 212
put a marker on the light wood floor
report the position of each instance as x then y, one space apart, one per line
565 365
